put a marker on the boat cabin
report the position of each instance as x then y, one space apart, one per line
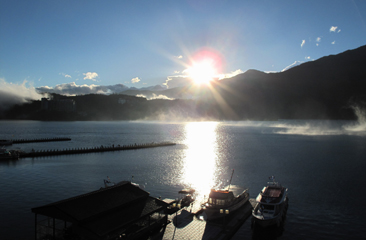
220 197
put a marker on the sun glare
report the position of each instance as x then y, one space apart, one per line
202 72
206 65
200 154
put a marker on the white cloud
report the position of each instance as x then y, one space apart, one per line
230 75
333 42
176 81
179 57
339 30
154 96
65 75
135 80
333 28
90 75
11 94
318 39
302 43
74 89
307 58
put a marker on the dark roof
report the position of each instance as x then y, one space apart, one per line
104 210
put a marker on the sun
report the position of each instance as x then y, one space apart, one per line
202 72
205 66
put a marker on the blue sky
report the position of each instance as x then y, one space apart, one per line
144 43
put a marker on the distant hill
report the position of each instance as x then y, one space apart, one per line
325 88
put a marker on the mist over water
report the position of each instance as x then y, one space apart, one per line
321 127
360 126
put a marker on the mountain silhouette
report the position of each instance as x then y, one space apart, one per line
327 88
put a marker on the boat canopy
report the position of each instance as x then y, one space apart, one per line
272 192
221 194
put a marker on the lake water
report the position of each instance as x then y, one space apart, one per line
321 162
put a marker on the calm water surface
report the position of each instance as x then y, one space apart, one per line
321 162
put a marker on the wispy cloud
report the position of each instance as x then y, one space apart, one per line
333 42
179 57
90 76
296 63
135 80
318 39
307 57
302 43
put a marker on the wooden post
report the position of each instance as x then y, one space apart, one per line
35 228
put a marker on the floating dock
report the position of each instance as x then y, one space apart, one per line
187 225
54 152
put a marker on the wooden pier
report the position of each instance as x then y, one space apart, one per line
184 224
54 152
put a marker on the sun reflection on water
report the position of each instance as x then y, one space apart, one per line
200 163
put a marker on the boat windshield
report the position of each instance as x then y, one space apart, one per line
267 207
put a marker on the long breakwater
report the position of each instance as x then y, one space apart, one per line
39 140
53 152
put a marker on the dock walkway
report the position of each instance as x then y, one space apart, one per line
185 225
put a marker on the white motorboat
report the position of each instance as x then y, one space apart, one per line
271 205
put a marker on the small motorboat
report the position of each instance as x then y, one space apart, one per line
271 205
222 202
8 155
188 197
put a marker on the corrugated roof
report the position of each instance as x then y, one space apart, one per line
104 210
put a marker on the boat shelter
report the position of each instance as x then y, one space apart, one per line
122 211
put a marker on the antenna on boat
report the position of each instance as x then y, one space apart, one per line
231 179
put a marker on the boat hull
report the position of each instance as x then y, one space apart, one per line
213 213
258 220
